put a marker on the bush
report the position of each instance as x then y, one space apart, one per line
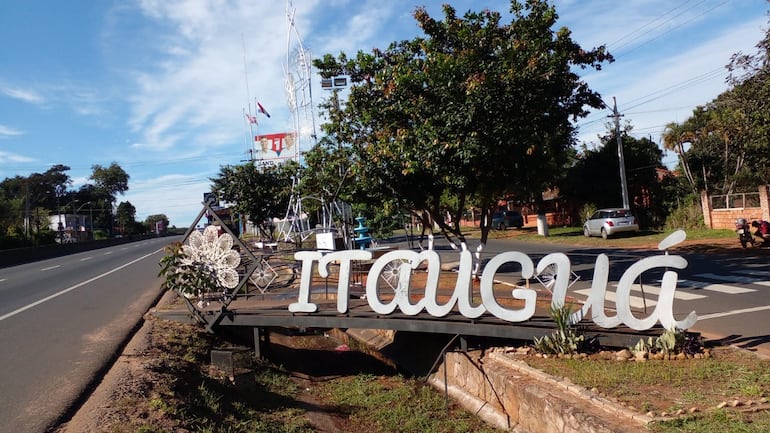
688 215
586 211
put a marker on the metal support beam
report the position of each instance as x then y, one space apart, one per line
261 342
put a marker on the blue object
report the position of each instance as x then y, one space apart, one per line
362 240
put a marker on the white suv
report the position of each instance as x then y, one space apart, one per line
607 222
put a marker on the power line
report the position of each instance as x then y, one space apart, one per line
639 32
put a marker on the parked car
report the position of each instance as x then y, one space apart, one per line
504 219
608 222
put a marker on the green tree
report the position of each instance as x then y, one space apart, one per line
473 111
259 193
150 222
126 216
32 199
109 181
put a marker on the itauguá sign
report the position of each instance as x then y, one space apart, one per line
461 296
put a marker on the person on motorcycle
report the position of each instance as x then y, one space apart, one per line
763 230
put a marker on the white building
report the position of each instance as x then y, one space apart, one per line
73 228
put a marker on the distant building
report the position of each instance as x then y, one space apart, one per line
74 228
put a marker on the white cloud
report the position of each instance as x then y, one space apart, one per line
10 158
24 95
7 131
195 96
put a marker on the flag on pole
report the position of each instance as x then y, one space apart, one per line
251 119
262 110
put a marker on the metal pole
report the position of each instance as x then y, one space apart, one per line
91 217
58 210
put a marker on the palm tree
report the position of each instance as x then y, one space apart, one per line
674 137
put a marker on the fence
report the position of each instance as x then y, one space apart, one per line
721 211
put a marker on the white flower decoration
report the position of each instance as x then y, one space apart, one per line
215 252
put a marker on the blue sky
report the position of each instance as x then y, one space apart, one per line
160 86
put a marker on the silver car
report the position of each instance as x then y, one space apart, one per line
607 222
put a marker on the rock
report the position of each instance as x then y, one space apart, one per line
722 405
681 356
651 414
624 354
679 412
735 403
693 410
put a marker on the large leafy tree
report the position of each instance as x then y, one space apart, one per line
261 193
32 198
111 180
108 182
126 216
473 111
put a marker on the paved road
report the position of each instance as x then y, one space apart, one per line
730 292
62 321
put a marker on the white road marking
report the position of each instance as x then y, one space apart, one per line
2 279
721 288
655 290
733 312
730 290
86 258
734 279
50 267
71 288
634 301
108 252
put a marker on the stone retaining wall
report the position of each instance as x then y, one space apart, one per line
513 397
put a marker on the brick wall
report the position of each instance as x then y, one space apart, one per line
725 218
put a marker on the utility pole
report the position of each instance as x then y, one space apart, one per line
621 160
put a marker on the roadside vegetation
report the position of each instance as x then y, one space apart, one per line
181 391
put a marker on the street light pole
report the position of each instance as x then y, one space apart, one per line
77 220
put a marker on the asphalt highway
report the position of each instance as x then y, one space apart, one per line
62 321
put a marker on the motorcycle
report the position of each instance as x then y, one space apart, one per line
743 229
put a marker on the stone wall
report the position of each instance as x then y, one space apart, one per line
514 397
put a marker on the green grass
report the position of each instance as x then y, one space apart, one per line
719 421
390 404
574 236
665 386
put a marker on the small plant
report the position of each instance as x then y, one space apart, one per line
191 279
671 341
565 340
